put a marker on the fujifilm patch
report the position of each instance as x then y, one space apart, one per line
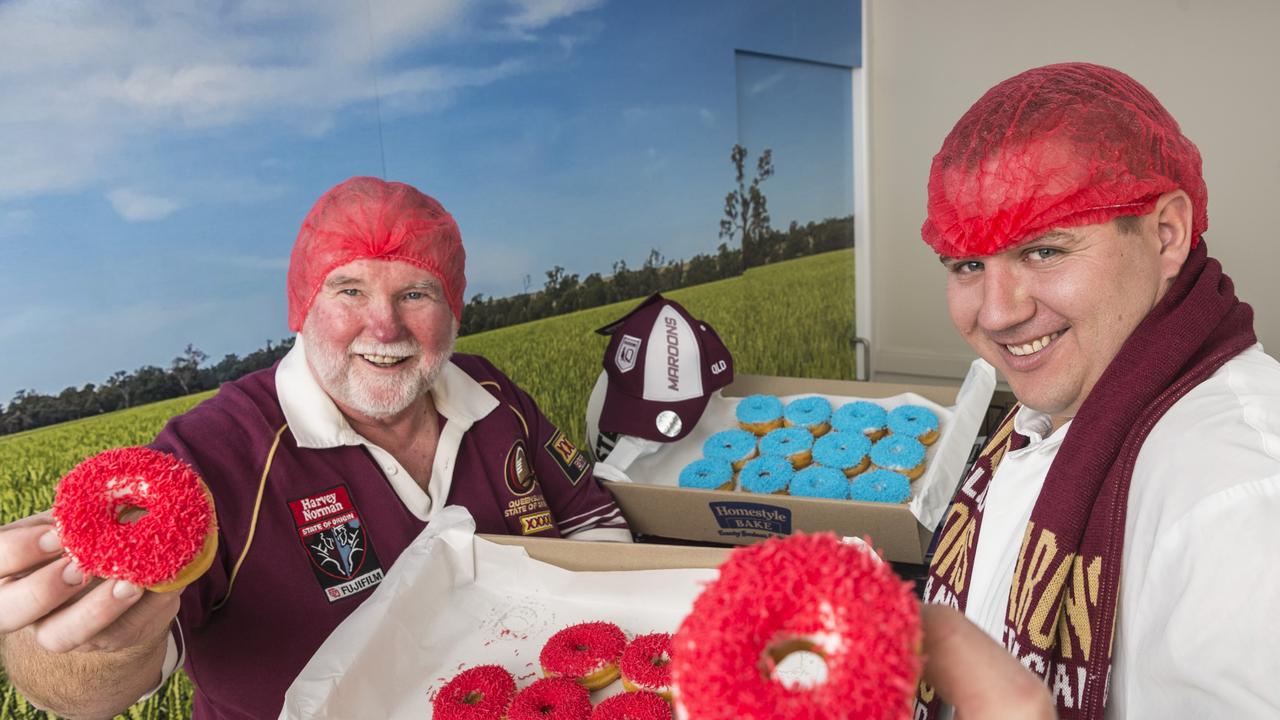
336 542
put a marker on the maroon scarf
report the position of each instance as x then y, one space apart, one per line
1062 605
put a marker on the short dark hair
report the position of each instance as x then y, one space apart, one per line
1129 224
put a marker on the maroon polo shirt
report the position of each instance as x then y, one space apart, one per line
328 525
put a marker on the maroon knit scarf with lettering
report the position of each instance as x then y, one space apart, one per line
1062 605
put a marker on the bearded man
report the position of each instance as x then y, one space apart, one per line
323 469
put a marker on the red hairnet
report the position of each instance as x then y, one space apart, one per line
365 217
1055 147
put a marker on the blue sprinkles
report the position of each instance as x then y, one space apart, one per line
732 445
897 452
785 442
766 474
706 474
841 450
808 411
759 409
817 481
880 486
912 421
859 417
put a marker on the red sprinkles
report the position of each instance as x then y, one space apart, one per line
151 549
834 597
481 693
580 650
646 663
551 699
633 706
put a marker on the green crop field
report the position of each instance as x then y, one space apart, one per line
794 318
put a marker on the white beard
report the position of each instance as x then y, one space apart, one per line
340 374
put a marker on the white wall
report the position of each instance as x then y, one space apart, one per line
1214 65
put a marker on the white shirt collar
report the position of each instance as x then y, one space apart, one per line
1038 427
316 422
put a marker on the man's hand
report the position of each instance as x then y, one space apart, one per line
975 675
62 632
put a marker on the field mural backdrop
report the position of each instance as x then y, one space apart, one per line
165 153
790 318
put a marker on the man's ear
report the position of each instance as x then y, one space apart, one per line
1173 215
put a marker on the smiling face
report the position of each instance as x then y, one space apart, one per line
1051 314
377 335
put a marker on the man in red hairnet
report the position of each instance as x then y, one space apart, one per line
1117 534
323 469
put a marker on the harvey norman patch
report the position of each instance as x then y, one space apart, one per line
336 542
571 461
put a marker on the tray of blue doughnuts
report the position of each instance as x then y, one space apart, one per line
773 455
809 447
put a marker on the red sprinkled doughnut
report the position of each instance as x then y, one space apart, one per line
803 592
551 699
633 706
479 693
646 664
587 652
151 549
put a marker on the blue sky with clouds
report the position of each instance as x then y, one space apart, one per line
158 156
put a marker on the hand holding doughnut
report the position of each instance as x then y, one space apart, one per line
49 606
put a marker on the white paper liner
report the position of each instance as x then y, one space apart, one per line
453 601
652 463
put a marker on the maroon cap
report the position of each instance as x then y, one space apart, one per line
662 365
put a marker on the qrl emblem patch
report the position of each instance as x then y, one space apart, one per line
336 542
628 351
518 471
571 461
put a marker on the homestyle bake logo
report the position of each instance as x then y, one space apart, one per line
739 519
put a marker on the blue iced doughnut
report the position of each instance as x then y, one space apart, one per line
707 474
766 474
760 413
880 486
914 421
844 451
812 413
736 446
863 417
900 454
793 443
817 481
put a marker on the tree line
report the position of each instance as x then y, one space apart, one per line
564 292
29 409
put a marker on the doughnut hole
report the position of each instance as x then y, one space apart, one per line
127 514
795 663
128 508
